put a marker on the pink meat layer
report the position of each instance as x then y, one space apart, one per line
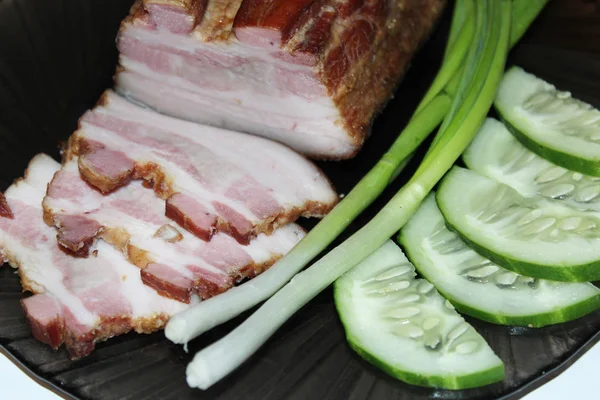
212 180
309 73
174 262
76 301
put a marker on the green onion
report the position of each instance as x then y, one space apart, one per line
524 12
476 90
191 323
210 313
461 32
198 319
462 14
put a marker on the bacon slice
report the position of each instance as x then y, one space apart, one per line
175 263
212 180
77 301
312 74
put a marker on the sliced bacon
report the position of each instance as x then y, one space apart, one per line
45 317
312 74
76 233
168 282
191 215
104 168
77 301
212 180
174 262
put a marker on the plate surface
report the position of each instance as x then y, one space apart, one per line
57 56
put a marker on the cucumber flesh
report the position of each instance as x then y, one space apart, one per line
549 122
496 154
478 287
405 327
533 236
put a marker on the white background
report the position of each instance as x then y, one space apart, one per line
577 382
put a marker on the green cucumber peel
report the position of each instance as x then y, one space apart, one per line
550 122
497 154
409 330
535 236
558 157
479 288
485 65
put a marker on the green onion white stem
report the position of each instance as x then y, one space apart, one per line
484 68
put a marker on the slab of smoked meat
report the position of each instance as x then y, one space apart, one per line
77 301
212 180
312 74
174 262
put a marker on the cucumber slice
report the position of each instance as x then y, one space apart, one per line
496 154
550 122
403 326
480 288
533 236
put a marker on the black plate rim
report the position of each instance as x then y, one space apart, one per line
35 377
516 394
553 372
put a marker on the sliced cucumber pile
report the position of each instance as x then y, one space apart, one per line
533 236
480 288
405 327
550 122
496 154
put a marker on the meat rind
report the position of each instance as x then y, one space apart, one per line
312 74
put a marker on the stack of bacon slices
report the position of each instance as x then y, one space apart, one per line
149 214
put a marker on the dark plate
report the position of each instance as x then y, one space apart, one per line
57 56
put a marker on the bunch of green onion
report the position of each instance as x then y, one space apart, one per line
481 33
